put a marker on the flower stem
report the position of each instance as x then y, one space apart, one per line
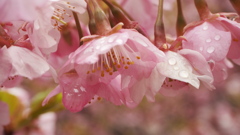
121 16
79 29
202 9
102 23
159 33
236 5
181 23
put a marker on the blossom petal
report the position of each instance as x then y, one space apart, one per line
6 65
211 39
26 63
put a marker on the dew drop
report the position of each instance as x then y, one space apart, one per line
172 61
176 68
119 41
205 27
217 37
110 40
75 90
210 49
82 89
201 48
184 74
102 40
208 40
98 47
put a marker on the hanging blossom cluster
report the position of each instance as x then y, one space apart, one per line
96 49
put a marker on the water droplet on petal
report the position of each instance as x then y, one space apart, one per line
208 40
111 39
102 40
98 47
201 48
176 68
75 90
184 74
172 61
205 27
82 89
217 37
119 41
210 49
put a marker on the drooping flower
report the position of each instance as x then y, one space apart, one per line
217 39
22 10
94 68
18 58
183 68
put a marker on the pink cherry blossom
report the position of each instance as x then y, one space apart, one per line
93 68
19 59
6 65
216 39
23 63
210 38
4 115
183 68
24 10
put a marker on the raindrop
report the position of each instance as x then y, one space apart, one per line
69 94
172 61
110 40
176 68
217 37
102 40
75 90
210 49
205 27
184 74
82 89
119 41
208 40
98 47
201 48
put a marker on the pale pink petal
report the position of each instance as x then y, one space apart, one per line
6 65
12 81
220 70
111 91
234 28
26 10
42 34
75 94
54 92
26 63
177 67
200 66
211 39
172 87
154 84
